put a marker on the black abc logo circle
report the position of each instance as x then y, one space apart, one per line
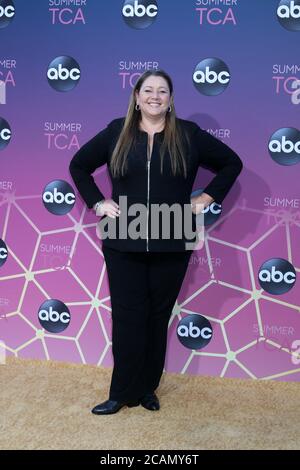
54 316
5 133
3 252
284 146
139 14
58 197
194 331
7 12
288 14
211 76
277 276
63 73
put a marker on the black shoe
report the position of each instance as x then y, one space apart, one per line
150 401
112 406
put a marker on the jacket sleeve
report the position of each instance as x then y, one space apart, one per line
216 156
86 160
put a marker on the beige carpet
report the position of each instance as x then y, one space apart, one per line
46 405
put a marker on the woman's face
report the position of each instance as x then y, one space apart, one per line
154 97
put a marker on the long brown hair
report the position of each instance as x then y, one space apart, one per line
173 134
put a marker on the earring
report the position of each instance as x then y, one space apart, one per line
137 107
170 109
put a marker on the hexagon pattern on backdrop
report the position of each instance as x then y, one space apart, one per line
59 256
238 309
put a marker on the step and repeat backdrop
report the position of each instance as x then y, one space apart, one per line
67 68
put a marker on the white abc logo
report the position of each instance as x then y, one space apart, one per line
194 331
276 276
286 146
62 73
210 76
3 253
139 10
287 12
8 11
58 197
52 315
5 134
214 208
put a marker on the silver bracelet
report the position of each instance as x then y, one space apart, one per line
95 207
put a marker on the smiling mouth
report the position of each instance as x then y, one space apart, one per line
154 104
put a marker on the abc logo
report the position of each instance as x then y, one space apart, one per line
7 12
139 14
58 197
211 212
3 252
5 133
288 14
54 316
284 146
63 73
194 331
277 276
211 76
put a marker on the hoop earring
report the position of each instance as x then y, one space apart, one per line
137 107
170 109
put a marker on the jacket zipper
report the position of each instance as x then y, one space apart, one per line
148 189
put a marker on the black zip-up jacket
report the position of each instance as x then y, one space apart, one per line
144 183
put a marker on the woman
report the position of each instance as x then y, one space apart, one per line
152 158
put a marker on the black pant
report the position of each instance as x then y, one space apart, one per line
143 289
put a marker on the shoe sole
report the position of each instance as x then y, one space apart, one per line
151 409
